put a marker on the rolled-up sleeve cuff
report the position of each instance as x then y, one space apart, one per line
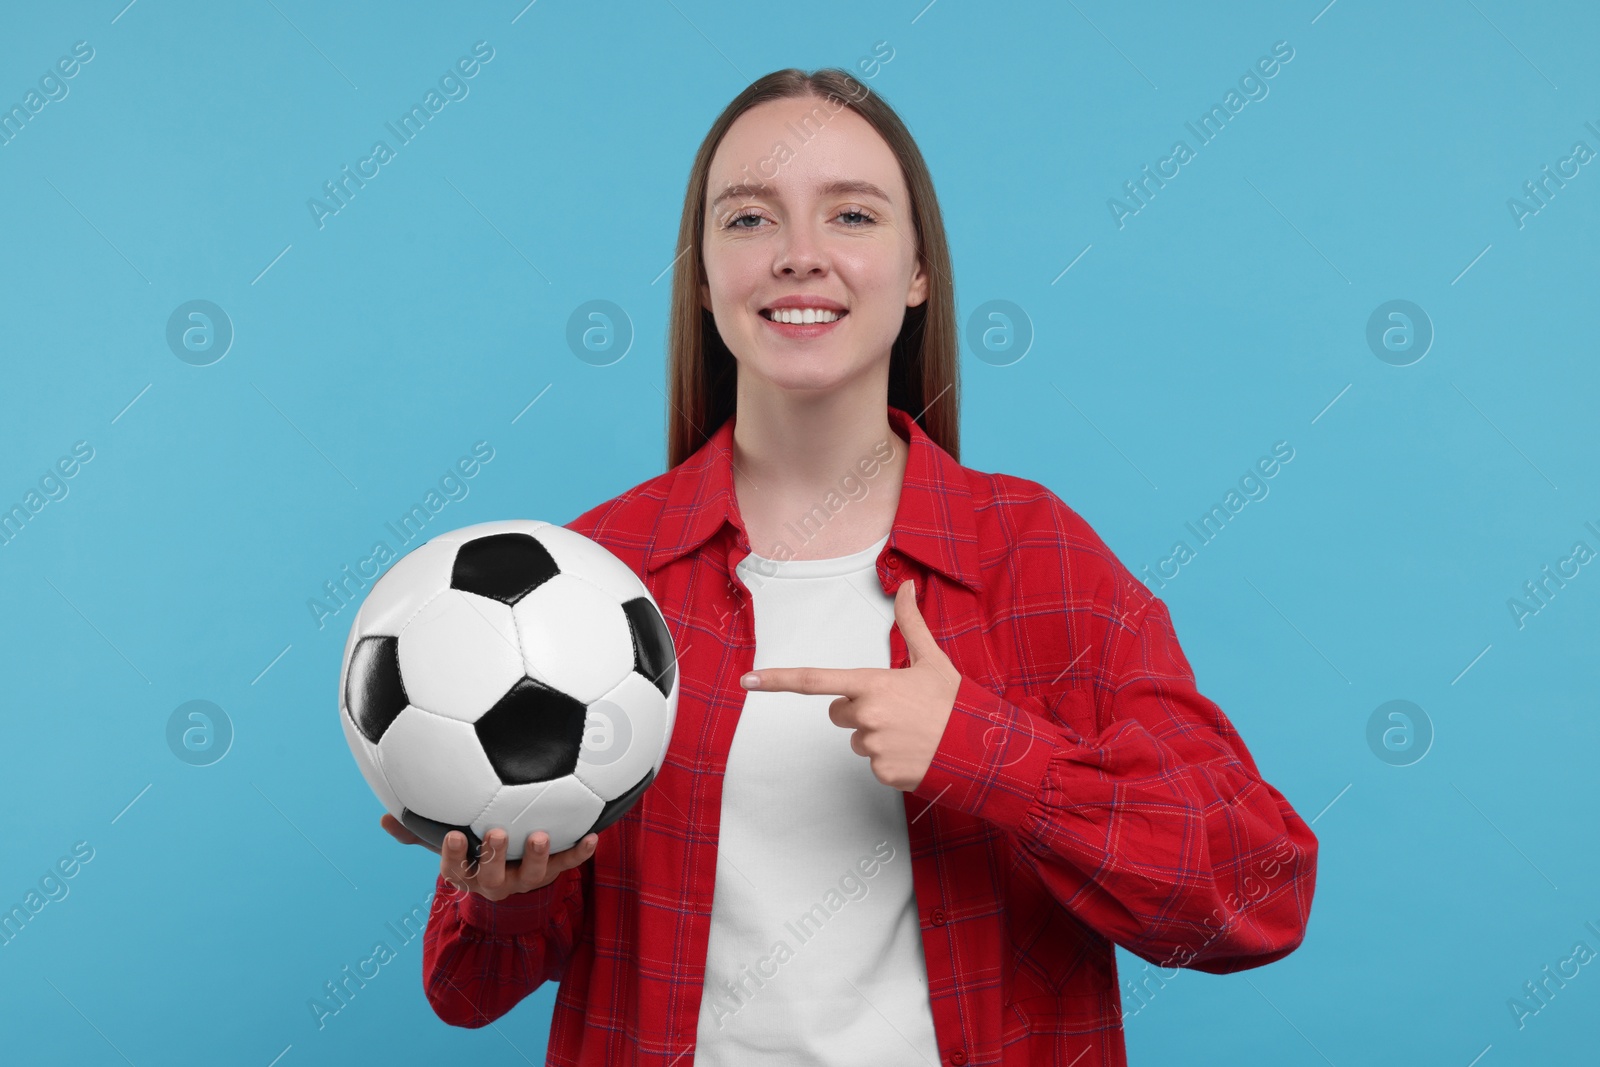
520 913
991 760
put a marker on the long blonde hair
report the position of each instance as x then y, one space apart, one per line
923 374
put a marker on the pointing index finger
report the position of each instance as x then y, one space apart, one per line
841 682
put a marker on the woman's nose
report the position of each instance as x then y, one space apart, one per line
800 252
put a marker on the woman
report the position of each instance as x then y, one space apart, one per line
972 756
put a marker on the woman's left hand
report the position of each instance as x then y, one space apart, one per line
898 714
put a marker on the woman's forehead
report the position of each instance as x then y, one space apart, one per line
792 148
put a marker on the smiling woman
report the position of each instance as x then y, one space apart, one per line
955 666
798 199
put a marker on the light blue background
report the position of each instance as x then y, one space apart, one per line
370 354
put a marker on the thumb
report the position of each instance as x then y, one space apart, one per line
919 639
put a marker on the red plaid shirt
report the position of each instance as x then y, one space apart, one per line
1083 793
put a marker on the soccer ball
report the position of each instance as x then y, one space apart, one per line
512 674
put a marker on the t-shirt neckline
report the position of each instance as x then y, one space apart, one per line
831 567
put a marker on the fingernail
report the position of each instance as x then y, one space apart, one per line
751 681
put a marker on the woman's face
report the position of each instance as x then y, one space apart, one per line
824 221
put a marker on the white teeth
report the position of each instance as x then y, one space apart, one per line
803 315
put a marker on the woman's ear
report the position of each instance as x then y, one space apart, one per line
919 285
705 295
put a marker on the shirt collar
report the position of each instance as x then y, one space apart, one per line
933 522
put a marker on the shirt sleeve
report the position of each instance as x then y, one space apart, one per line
1158 832
481 957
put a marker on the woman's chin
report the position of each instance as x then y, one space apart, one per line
796 371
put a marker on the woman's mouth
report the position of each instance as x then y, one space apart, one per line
802 322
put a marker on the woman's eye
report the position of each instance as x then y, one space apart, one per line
855 219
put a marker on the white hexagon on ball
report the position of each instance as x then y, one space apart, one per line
436 767
575 637
413 580
621 736
671 721
459 655
555 807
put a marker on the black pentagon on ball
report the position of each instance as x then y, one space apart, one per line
432 832
616 809
532 734
504 567
652 643
374 693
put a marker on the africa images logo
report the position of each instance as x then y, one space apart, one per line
453 87
1252 84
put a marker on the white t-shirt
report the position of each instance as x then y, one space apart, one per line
815 954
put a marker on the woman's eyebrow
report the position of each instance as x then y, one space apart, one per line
749 190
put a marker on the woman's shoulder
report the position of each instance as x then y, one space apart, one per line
1016 511
1024 528
626 523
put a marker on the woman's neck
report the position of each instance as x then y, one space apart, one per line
816 478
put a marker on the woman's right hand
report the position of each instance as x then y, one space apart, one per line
491 876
